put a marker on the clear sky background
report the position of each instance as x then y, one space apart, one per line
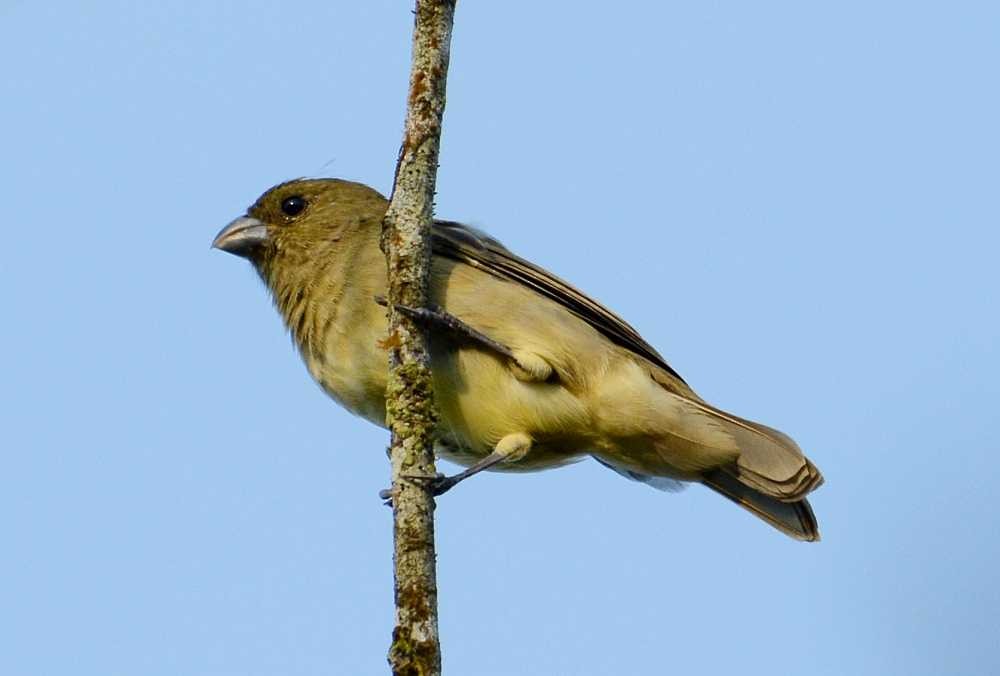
797 203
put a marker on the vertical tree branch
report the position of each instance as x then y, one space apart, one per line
415 647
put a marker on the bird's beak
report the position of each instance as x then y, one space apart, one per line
241 237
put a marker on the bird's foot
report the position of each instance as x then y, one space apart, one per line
436 485
440 319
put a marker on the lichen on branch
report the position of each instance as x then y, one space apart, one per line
410 411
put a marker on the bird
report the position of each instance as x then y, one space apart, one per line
528 372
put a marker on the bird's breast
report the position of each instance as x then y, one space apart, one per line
351 370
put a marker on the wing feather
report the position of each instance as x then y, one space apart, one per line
470 246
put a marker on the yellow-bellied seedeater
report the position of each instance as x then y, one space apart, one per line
528 372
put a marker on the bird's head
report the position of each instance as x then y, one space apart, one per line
301 220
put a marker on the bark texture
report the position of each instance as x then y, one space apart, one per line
415 647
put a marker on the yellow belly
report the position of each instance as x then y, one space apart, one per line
481 401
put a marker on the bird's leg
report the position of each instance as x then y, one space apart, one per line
527 366
437 317
511 448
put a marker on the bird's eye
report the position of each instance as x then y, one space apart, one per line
293 206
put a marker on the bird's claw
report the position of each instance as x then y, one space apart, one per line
436 485
411 312
441 484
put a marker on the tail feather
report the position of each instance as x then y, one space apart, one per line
769 460
795 519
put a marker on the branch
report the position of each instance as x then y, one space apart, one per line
409 400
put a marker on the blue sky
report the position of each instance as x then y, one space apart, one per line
797 204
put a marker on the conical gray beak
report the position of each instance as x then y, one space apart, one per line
241 237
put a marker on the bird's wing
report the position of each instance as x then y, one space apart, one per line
474 247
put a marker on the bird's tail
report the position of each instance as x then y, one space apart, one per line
766 472
769 460
770 478
791 518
